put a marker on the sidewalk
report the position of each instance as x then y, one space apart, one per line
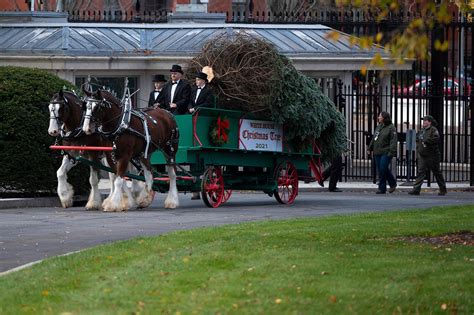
353 186
369 186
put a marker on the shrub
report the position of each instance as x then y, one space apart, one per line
27 165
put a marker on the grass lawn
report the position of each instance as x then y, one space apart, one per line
332 265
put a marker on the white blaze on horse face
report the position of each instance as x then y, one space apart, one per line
53 129
88 127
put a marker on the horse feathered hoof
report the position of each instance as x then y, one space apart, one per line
92 208
105 203
66 203
65 196
171 204
114 209
145 199
93 204
109 206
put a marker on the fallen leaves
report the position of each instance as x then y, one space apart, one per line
458 238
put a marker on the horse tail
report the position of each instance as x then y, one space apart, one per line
174 137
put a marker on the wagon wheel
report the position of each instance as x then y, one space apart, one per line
227 194
212 187
287 178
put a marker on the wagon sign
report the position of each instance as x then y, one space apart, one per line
260 135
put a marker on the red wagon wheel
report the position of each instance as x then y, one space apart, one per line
212 187
227 194
287 177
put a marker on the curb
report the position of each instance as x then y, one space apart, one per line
402 189
53 202
10 203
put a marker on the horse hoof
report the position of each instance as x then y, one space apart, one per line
92 206
115 209
67 203
171 204
144 203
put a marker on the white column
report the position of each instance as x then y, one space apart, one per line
145 85
385 85
347 89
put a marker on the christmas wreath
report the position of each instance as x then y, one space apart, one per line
219 131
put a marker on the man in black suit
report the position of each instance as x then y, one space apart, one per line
177 92
201 95
334 173
157 96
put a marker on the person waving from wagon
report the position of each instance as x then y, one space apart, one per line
201 95
157 96
177 92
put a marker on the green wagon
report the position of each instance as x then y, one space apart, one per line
223 150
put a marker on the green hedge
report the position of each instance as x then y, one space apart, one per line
27 165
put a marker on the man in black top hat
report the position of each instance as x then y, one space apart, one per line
201 95
157 96
177 92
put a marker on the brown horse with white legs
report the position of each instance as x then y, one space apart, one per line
135 135
65 122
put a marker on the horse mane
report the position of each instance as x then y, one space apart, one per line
69 95
109 97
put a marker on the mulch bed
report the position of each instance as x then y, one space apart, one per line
458 238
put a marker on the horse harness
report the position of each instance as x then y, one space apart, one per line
124 126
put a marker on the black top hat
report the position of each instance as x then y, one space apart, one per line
159 78
176 68
201 75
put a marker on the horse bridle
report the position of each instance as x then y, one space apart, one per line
64 101
100 103
63 134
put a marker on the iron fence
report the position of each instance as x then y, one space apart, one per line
118 16
407 107
442 87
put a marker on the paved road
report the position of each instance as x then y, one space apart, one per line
32 234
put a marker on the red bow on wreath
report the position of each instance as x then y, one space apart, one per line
222 127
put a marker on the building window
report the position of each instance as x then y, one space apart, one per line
115 84
156 5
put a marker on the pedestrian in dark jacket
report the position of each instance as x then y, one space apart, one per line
429 156
157 96
384 147
201 95
177 92
334 173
